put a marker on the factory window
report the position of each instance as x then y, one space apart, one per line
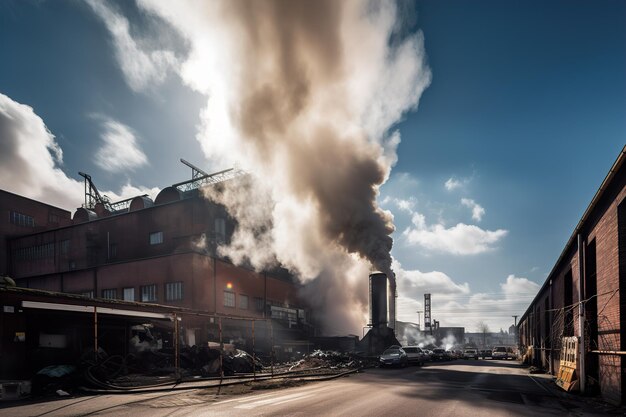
148 293
71 265
243 302
87 294
220 230
156 238
129 294
65 246
22 219
260 305
229 299
109 294
53 218
173 291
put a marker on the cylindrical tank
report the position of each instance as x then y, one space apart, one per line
83 215
140 202
378 299
167 195
101 210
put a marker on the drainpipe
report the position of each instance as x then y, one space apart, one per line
581 312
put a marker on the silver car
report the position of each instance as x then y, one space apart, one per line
415 355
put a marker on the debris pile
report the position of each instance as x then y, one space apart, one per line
319 359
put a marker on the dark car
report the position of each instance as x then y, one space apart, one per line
439 355
394 356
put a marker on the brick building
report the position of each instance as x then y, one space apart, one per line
585 295
139 250
20 216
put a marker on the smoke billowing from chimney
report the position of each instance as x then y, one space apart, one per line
305 95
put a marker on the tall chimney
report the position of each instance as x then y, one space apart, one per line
378 299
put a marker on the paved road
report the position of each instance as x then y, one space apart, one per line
458 388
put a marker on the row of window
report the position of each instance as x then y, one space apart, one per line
35 252
21 219
230 301
148 293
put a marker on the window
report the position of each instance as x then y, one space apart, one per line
260 305
22 219
148 293
65 246
87 294
110 294
156 238
53 218
243 302
220 230
229 299
129 294
173 291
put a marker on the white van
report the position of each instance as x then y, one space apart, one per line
500 352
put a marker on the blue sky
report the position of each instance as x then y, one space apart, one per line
523 117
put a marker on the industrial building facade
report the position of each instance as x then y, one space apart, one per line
161 253
584 296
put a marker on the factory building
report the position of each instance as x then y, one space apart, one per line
582 303
161 252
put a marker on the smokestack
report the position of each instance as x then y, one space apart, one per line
378 299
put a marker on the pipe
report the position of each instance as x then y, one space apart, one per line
221 351
253 355
581 311
176 347
95 334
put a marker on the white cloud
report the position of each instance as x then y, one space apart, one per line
462 239
120 150
515 286
477 210
407 205
141 68
453 304
31 160
414 283
452 184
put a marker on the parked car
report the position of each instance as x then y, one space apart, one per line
500 352
439 355
487 354
414 354
394 356
470 354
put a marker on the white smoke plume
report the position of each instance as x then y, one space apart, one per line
305 96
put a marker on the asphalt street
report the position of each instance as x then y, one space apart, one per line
457 388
